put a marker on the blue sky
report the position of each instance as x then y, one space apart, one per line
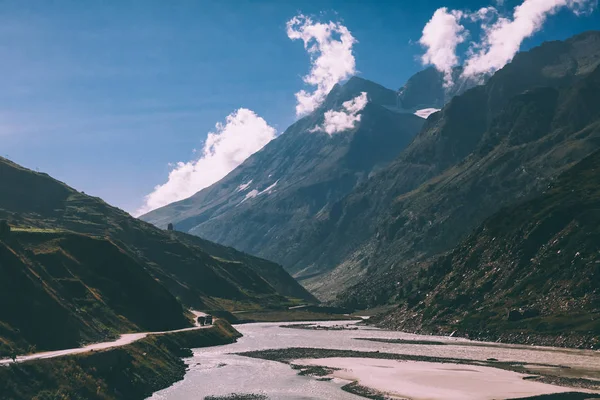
105 94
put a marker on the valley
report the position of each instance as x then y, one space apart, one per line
78 270
491 146
436 241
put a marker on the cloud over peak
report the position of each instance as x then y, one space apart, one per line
329 46
330 49
441 35
346 118
232 142
501 37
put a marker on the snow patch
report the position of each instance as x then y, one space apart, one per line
255 193
244 186
269 189
426 112
250 195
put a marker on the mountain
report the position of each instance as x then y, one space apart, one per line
60 289
491 146
263 206
273 273
75 269
530 271
494 145
427 89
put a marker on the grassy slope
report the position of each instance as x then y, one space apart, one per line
273 273
60 290
539 259
80 267
127 373
181 265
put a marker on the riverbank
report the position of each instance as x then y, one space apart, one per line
297 315
546 373
130 372
568 330
246 368
377 375
427 380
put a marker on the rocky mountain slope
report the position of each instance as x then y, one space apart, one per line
74 269
492 146
529 271
262 207
59 289
427 89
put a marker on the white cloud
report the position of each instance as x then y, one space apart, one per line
426 112
441 36
330 49
242 134
339 121
502 40
484 14
582 7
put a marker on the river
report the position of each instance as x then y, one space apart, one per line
217 371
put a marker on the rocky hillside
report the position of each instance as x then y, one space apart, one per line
273 273
494 145
427 89
77 269
63 289
490 147
531 271
263 206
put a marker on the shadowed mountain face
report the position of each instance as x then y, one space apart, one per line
61 289
529 270
495 145
492 146
427 89
75 269
265 205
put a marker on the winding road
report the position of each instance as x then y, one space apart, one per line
123 340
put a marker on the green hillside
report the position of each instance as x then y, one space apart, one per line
74 269
529 271
62 289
